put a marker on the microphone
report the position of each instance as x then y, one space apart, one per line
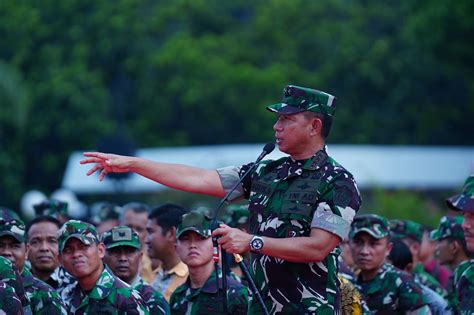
267 149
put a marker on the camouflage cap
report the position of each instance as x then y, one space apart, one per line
51 207
121 236
406 229
195 221
465 200
239 214
11 225
298 99
449 227
83 231
376 225
5 212
107 211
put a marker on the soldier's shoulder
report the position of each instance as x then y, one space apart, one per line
10 302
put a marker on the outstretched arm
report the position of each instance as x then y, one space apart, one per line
177 176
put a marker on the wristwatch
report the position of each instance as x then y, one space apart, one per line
256 243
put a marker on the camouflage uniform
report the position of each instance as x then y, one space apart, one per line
451 227
209 298
465 286
12 278
288 198
110 295
43 299
391 291
10 302
125 236
401 229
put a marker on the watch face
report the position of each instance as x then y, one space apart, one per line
257 243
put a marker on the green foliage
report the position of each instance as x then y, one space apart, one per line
201 72
404 204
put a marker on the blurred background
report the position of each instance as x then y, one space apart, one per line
122 75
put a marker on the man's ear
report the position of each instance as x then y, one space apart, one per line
101 250
317 126
171 234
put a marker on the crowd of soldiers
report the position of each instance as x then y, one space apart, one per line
160 261
310 250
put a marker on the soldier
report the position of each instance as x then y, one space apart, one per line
42 245
452 251
161 241
10 276
98 290
43 298
385 288
54 208
411 233
107 217
200 294
123 255
465 202
135 216
301 206
10 302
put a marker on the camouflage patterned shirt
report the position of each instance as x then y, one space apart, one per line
287 199
10 302
391 292
44 299
110 295
465 289
10 275
455 277
153 299
428 280
207 300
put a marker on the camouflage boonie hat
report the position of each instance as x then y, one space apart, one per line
465 200
449 227
406 228
51 207
376 225
83 231
195 221
121 236
11 225
298 99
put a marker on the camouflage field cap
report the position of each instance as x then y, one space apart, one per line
11 225
239 214
83 231
107 211
5 212
406 229
298 99
449 227
465 200
376 225
195 221
121 236
51 207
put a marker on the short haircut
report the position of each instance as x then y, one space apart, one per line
400 255
167 216
135 206
325 120
40 219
